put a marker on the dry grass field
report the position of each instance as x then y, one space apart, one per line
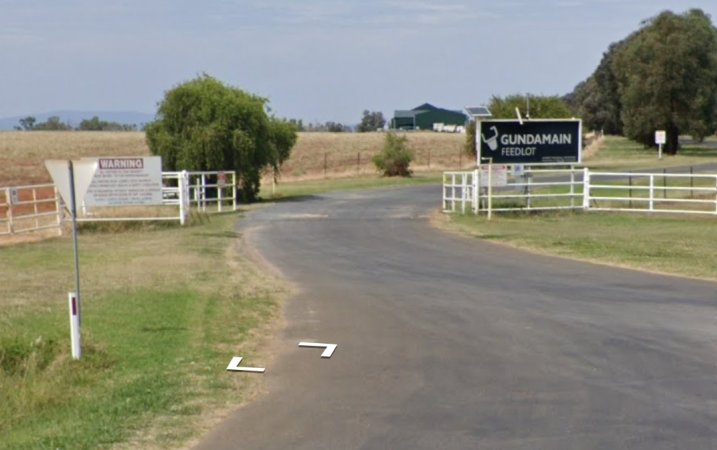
315 156
330 155
22 154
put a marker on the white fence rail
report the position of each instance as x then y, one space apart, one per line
213 188
677 193
573 188
26 209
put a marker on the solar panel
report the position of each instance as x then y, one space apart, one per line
478 111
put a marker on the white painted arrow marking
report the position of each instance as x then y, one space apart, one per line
329 348
234 365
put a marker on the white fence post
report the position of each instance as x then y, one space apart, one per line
183 186
220 189
476 191
234 191
8 200
59 210
464 192
586 188
652 192
572 187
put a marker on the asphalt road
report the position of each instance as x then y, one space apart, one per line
453 343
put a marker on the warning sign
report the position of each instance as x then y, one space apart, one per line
125 181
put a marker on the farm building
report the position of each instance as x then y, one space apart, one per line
424 117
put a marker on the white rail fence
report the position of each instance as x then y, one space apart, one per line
574 188
25 209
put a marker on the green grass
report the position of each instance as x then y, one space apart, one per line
163 313
683 246
618 153
303 188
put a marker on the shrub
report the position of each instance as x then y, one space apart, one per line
395 157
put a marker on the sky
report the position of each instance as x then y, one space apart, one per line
315 60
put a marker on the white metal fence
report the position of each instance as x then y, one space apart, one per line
677 193
573 188
39 207
213 189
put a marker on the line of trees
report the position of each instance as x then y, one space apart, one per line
318 127
370 121
54 123
661 77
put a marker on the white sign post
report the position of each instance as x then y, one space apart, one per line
660 140
75 336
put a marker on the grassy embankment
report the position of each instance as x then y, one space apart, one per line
678 245
164 310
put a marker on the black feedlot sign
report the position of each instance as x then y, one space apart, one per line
533 142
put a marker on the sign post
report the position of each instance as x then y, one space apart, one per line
73 212
660 140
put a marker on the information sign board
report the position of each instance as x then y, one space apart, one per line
540 141
125 181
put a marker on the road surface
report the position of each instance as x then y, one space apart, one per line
446 342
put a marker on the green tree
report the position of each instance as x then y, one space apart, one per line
395 157
597 100
53 123
28 123
667 78
470 144
530 106
95 124
371 121
204 124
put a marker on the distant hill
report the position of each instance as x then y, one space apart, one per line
75 117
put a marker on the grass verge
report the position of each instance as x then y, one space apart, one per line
618 153
681 246
163 312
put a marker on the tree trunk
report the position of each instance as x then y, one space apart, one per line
673 140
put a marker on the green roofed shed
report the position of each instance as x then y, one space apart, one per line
424 116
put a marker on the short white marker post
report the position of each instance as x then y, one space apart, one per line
74 304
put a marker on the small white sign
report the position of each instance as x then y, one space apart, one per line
499 177
660 137
14 198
